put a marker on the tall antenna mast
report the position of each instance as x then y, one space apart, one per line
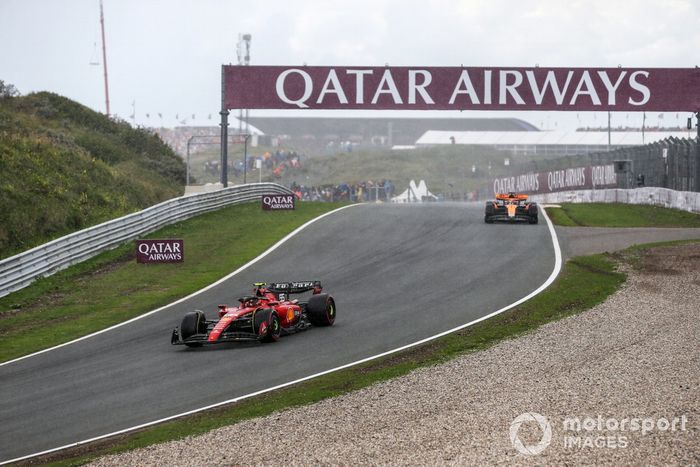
104 58
246 60
243 53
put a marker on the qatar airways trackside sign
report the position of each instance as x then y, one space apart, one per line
160 251
575 178
461 88
277 202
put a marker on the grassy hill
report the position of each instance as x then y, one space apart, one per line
445 169
64 167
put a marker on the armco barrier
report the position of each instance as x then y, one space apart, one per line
684 200
20 270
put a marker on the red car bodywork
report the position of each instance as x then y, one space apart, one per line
264 316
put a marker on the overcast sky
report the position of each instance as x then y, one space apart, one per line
165 55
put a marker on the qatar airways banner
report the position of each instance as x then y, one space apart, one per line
458 88
160 251
277 202
576 178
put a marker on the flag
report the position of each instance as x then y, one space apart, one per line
160 115
148 115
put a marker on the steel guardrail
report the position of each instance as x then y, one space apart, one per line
16 272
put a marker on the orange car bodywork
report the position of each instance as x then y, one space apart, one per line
511 201
511 207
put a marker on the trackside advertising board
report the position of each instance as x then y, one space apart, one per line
160 251
461 88
575 178
278 202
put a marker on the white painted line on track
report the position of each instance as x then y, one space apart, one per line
547 283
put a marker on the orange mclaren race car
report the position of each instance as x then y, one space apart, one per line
510 207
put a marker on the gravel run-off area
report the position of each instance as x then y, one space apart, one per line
632 361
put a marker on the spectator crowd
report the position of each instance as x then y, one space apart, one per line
382 190
277 162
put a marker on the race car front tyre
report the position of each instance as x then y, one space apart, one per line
321 310
267 325
193 323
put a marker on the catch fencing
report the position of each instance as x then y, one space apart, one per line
21 270
671 163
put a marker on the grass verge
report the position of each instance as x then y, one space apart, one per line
583 283
112 287
647 257
620 215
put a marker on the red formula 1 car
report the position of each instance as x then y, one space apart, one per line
263 316
510 207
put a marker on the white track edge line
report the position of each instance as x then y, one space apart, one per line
547 283
237 271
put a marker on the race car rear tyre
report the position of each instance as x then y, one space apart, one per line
533 211
488 212
321 310
272 328
193 323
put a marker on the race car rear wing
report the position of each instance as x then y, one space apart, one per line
506 196
292 287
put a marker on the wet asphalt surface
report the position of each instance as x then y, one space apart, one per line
398 273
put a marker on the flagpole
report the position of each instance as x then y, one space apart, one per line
104 58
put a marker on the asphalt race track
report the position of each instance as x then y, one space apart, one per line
398 273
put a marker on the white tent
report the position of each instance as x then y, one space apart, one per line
415 194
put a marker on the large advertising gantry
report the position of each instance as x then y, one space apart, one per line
457 88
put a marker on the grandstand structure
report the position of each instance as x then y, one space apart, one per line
548 143
377 131
316 134
320 135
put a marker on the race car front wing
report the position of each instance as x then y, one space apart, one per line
203 339
507 218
